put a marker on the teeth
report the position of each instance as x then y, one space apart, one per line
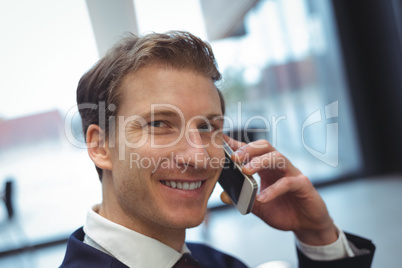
186 186
194 185
183 185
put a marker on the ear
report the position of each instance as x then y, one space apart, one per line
98 147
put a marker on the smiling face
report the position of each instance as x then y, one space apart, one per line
169 130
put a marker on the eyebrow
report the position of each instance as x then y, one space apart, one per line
173 114
164 113
214 117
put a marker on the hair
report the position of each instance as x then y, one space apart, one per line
99 87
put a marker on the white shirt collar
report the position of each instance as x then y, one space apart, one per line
128 246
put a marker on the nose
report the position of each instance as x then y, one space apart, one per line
192 150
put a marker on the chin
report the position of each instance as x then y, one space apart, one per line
195 223
187 220
189 224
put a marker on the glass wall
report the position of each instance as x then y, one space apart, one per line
46 47
284 80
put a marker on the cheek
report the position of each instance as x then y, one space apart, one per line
214 138
148 160
134 139
166 140
132 181
217 158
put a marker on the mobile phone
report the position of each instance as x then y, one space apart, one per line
241 188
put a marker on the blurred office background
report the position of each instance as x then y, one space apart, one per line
320 79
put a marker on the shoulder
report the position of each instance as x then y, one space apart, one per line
210 257
79 254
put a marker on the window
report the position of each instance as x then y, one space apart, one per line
284 78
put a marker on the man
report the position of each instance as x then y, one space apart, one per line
153 120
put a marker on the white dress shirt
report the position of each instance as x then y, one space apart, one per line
132 248
128 246
337 250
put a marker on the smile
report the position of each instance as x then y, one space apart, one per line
188 186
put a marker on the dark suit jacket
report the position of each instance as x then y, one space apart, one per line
80 255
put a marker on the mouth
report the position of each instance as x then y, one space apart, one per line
186 186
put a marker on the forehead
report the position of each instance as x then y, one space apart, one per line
190 92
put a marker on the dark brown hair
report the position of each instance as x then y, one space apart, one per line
98 94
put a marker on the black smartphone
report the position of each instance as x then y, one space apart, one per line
241 188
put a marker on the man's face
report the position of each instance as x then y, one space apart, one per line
167 156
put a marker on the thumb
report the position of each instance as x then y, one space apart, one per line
226 199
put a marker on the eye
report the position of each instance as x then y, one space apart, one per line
206 128
157 124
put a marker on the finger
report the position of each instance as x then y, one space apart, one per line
226 199
252 149
273 161
234 144
280 187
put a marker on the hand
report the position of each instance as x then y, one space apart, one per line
287 200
